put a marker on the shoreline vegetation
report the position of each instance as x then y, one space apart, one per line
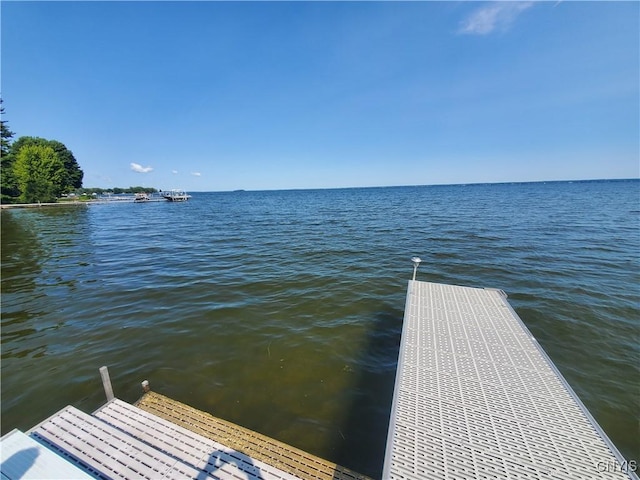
39 205
35 170
85 196
38 172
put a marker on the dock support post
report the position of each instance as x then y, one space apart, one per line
106 383
145 386
416 263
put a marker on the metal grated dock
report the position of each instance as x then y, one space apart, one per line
122 441
258 446
476 397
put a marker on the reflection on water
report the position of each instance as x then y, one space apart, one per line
20 253
282 311
20 270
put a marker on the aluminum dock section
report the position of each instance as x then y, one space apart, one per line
476 397
157 439
289 459
122 441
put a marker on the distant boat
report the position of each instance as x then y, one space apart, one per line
142 197
176 195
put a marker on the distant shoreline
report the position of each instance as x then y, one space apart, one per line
39 205
435 185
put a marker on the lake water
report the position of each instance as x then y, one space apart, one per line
282 311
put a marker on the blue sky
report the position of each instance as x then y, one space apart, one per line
212 96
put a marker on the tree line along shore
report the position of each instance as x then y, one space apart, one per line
37 171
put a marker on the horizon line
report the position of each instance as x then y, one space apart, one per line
424 185
506 182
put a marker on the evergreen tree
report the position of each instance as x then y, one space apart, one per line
5 134
8 188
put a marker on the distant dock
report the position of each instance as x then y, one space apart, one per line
168 196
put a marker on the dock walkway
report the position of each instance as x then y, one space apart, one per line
122 441
278 454
159 438
476 397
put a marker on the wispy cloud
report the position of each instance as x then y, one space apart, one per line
139 168
175 172
196 174
495 16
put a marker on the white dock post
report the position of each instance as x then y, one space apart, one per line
106 383
145 386
416 263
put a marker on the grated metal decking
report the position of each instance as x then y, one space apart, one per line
125 441
476 397
257 446
191 448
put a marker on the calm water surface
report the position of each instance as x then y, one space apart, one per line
282 310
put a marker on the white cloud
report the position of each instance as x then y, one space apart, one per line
175 172
497 15
196 174
139 168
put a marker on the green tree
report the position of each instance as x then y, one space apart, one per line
140 189
71 180
39 173
73 176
